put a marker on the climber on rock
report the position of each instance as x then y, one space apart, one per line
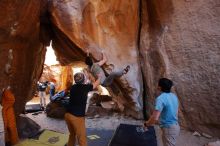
95 69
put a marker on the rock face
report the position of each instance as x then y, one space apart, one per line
100 25
27 128
66 78
180 40
51 73
157 38
61 76
22 54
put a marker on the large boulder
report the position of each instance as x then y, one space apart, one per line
180 40
55 110
157 38
27 128
21 51
111 27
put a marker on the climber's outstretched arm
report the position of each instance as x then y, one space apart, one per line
87 52
103 61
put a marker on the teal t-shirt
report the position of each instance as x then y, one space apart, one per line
167 104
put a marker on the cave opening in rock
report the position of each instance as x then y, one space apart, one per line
62 77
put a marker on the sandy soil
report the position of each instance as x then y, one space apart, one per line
186 138
111 122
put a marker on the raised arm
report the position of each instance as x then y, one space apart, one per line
96 83
103 61
87 52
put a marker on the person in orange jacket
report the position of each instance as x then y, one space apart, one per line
11 134
2 128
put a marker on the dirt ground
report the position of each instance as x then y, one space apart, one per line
186 138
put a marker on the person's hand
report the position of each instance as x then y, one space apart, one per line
87 52
146 124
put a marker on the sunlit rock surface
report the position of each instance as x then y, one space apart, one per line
66 78
101 25
158 38
51 73
61 76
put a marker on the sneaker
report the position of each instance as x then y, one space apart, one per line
126 69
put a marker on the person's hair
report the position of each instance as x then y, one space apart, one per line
79 78
89 61
165 84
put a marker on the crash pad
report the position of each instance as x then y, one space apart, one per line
46 138
98 137
29 142
95 137
53 138
30 108
133 135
